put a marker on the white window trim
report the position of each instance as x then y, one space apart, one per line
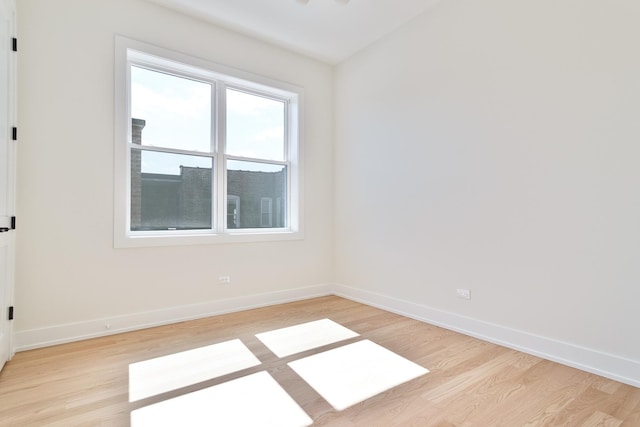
123 237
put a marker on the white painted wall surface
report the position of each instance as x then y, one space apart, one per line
486 145
495 146
67 269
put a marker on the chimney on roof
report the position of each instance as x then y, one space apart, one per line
136 174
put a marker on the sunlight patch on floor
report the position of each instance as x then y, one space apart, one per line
167 373
254 400
306 336
343 376
350 374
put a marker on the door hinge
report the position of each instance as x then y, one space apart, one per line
14 43
14 134
11 313
13 222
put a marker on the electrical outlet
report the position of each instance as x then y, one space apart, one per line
224 280
463 293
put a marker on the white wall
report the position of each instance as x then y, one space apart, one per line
495 146
67 270
486 145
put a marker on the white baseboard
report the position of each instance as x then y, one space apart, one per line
607 365
603 364
60 334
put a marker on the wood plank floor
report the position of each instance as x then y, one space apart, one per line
471 382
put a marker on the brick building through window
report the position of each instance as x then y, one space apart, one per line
184 201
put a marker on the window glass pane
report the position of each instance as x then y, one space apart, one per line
255 188
266 212
255 126
176 111
170 191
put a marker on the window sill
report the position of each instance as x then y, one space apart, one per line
179 238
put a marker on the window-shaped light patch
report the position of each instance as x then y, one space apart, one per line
254 400
174 371
255 126
350 374
306 336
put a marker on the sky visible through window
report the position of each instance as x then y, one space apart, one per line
178 115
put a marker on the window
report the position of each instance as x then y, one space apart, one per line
202 152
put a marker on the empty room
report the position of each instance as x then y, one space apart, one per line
320 212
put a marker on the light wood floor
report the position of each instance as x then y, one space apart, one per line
471 382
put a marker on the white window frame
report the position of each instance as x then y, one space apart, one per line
128 52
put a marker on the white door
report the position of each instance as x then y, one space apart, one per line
7 172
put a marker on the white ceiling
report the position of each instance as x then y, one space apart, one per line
328 30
